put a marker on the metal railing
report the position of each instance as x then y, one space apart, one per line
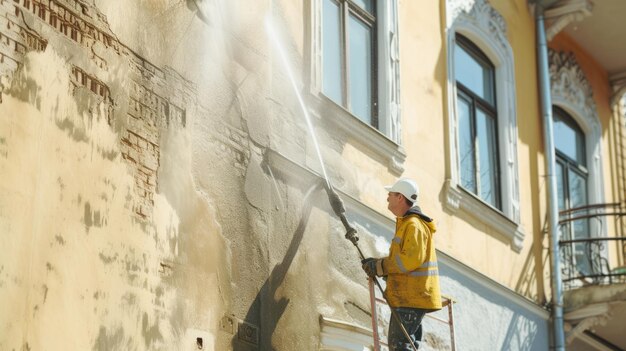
585 254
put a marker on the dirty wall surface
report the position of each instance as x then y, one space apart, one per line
137 210
109 243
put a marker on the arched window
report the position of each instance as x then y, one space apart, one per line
482 181
572 174
477 118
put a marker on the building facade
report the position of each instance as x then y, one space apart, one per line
163 167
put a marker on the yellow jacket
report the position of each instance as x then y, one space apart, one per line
411 267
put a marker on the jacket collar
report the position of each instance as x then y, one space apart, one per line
416 210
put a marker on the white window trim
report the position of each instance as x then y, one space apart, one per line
384 142
485 27
337 335
571 91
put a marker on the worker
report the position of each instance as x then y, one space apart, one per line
410 269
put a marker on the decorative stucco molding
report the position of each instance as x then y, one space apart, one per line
480 14
569 85
565 12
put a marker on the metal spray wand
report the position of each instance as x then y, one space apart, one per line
333 197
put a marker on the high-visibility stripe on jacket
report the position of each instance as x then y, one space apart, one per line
411 267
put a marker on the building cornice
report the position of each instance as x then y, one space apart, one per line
565 12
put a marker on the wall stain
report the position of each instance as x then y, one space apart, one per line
110 155
130 299
91 218
61 187
45 292
150 333
87 217
77 134
107 259
60 240
3 151
114 341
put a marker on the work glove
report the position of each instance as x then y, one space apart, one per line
373 267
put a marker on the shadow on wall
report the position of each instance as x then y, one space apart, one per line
270 309
531 278
520 335
508 325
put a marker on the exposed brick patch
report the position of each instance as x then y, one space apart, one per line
153 109
80 78
15 40
71 18
142 156
232 146
157 96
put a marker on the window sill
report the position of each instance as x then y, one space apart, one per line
468 206
366 137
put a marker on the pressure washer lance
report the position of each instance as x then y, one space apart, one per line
337 205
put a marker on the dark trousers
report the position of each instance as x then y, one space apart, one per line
412 320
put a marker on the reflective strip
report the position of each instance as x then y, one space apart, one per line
397 240
424 273
430 264
400 264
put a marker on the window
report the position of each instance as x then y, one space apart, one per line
482 181
578 143
354 74
349 56
571 174
477 122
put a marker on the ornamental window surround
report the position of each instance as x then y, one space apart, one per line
476 30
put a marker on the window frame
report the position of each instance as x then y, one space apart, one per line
348 8
578 167
383 143
479 103
572 93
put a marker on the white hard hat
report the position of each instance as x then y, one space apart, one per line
406 187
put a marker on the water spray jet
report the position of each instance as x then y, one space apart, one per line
333 198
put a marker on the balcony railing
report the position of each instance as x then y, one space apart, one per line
585 257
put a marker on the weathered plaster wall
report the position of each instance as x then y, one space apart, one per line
110 242
138 206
